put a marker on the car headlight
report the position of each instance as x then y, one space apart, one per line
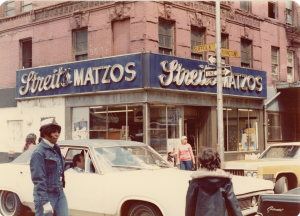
253 201
254 175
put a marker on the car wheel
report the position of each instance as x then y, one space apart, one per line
144 209
10 204
281 185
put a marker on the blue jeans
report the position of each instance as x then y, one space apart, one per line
186 165
58 202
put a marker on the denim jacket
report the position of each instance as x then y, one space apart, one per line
46 172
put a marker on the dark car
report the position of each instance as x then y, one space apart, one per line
286 204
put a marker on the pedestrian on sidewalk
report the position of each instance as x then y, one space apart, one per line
171 159
185 155
210 191
29 142
47 173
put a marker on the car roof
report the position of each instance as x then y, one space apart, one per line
287 144
99 143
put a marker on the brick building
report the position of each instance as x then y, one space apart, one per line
39 35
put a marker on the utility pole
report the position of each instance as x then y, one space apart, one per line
219 83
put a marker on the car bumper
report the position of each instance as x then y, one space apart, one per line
250 211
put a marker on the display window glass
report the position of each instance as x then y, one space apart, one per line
98 122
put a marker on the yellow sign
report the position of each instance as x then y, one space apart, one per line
230 53
205 47
249 131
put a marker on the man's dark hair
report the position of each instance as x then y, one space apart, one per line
76 158
40 139
210 159
49 130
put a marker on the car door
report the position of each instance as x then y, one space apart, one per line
84 191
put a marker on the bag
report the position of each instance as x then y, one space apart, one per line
194 168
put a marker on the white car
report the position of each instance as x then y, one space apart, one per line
122 178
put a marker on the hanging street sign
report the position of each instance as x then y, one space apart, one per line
212 59
230 53
212 72
204 47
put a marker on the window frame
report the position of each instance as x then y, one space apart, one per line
172 35
202 31
275 9
289 11
291 66
5 8
248 5
275 64
249 52
22 51
225 42
24 5
75 54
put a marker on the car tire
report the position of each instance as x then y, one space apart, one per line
10 204
144 209
281 185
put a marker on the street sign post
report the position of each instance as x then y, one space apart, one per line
230 53
204 47
212 72
212 59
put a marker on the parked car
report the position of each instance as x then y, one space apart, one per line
122 178
286 204
279 163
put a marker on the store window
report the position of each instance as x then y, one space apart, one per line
272 9
290 66
281 127
166 37
245 5
80 44
197 38
9 8
275 63
26 6
26 54
119 122
240 129
246 53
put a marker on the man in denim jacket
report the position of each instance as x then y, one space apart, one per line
47 173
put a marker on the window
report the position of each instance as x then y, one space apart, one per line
83 155
290 66
26 6
289 12
197 38
281 127
245 5
26 54
272 9
224 45
275 63
166 37
246 53
121 36
9 8
80 44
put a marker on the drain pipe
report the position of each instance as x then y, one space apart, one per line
266 117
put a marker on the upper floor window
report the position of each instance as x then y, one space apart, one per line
275 63
166 37
290 66
197 38
26 54
9 8
224 45
272 9
289 12
26 6
246 53
80 44
245 5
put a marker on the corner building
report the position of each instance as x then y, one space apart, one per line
128 70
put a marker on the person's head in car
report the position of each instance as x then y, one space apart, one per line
78 161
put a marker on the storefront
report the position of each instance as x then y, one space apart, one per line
154 99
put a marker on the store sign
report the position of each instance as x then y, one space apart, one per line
130 72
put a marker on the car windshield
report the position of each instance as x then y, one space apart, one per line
25 157
282 152
121 158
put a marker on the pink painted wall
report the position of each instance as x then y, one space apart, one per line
52 40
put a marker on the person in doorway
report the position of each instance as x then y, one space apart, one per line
78 164
185 155
210 191
29 142
47 172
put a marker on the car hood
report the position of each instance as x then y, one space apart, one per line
253 164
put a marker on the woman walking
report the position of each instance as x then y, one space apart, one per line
210 191
185 155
